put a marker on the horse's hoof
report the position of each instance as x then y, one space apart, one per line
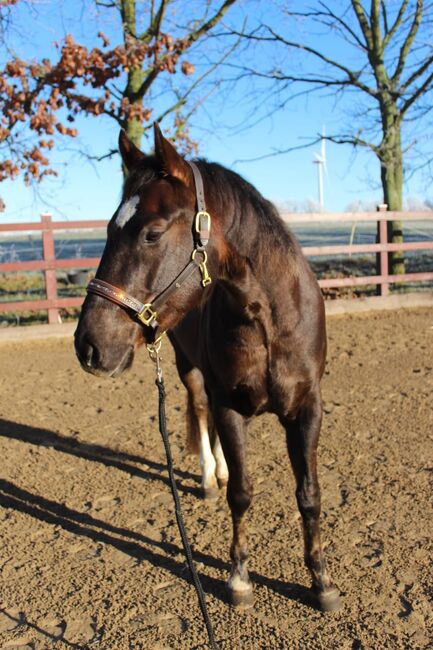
329 600
222 482
210 493
242 599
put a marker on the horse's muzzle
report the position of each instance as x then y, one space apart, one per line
111 363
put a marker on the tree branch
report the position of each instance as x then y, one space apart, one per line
328 13
194 36
384 16
154 28
182 100
352 75
207 26
354 141
279 152
420 90
427 63
408 41
277 75
344 139
146 84
363 22
375 31
108 5
390 33
109 154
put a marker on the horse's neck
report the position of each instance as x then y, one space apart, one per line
260 258
245 293
252 256
260 274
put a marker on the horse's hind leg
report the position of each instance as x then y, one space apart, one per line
231 430
302 438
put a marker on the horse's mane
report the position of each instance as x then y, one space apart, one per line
249 207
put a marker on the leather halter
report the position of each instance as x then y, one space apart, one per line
147 313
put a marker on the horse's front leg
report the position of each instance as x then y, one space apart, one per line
302 438
198 430
222 472
231 428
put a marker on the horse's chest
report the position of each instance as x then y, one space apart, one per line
240 367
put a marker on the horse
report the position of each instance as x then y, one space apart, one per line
195 251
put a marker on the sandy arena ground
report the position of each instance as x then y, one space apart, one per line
90 554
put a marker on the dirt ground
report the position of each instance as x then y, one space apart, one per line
90 554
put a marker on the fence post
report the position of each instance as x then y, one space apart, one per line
382 256
49 255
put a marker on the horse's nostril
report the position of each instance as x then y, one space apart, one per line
90 355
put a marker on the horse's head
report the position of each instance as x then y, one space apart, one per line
150 239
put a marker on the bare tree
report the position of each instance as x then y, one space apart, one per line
385 55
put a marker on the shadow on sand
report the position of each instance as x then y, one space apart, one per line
136 545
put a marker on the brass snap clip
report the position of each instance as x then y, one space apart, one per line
205 277
153 350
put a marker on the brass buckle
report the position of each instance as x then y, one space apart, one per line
202 214
147 315
205 277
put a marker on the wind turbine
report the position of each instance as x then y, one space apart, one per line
320 161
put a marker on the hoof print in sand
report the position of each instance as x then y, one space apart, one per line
10 619
80 630
54 627
105 502
165 622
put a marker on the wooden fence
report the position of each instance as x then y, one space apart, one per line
49 265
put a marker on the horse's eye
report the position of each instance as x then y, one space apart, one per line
152 236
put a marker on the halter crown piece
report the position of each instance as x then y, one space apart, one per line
147 313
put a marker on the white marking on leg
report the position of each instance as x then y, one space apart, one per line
236 583
207 461
222 471
127 211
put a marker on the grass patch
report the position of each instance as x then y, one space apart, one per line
15 287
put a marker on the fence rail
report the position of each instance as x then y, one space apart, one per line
49 265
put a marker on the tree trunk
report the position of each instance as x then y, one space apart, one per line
391 161
132 125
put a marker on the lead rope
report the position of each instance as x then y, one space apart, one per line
153 350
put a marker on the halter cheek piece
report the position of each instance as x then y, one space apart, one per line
147 313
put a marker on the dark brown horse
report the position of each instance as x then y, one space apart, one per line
252 341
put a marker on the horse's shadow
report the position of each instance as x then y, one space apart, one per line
136 545
96 453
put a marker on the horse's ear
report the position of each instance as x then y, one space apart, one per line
131 154
168 159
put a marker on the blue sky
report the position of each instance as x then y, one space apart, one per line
86 191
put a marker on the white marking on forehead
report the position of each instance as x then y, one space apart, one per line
127 210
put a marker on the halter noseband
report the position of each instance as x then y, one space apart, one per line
147 313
